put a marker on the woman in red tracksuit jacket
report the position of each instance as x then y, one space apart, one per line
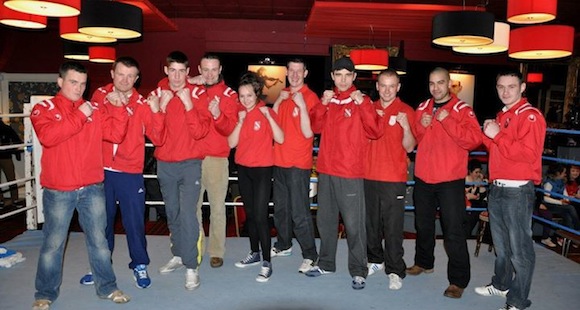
253 135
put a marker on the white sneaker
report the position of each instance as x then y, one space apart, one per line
509 307
306 265
490 290
395 282
274 252
191 279
373 268
173 264
548 242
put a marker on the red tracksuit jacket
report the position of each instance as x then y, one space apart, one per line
515 153
346 128
443 147
216 141
129 155
183 129
72 149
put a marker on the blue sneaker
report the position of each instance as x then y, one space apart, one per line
316 272
358 282
87 279
265 272
252 259
141 277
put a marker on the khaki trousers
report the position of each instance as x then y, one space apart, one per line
214 180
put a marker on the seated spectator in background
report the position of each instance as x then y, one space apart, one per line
555 183
572 182
547 232
573 186
475 194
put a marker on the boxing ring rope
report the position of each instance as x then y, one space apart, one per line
28 150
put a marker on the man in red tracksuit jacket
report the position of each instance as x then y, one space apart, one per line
346 119
179 165
124 163
386 167
292 167
515 140
212 94
446 129
71 132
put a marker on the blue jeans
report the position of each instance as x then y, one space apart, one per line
510 218
59 207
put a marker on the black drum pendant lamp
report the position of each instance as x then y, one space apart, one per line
75 50
111 19
463 28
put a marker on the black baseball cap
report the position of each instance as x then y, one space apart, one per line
343 62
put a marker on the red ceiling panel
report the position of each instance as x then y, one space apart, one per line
373 21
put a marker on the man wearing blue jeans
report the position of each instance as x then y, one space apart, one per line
515 142
71 132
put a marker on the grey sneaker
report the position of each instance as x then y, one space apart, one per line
191 279
490 290
358 282
509 307
306 265
173 264
252 259
265 272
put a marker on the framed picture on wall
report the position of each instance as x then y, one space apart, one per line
274 80
463 86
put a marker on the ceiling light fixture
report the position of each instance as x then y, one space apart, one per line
370 59
531 11
53 8
75 50
541 42
535 77
501 39
13 18
463 28
69 30
399 63
111 19
102 54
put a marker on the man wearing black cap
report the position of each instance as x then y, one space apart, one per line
346 119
